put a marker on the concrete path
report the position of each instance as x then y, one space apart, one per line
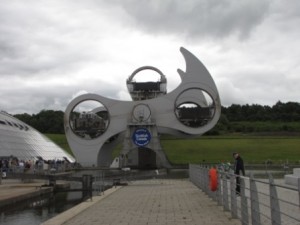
159 202
14 191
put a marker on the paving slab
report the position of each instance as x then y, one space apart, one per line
156 201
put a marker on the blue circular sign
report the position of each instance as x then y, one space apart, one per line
141 137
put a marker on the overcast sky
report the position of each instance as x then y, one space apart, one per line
54 50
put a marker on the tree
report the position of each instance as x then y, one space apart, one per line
46 121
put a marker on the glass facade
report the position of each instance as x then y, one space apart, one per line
25 143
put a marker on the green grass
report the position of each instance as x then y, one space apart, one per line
61 141
253 149
215 149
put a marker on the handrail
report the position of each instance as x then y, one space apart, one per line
260 202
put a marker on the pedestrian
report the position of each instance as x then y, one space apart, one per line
238 168
213 178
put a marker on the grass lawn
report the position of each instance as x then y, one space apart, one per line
255 149
216 149
61 141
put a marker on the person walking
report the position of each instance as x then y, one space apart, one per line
238 168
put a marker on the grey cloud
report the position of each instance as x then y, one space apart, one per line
37 38
52 40
32 99
263 87
286 10
217 19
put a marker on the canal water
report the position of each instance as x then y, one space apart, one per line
40 209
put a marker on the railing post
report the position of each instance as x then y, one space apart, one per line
233 197
87 186
191 176
255 213
244 203
219 190
52 180
203 180
202 171
299 190
200 177
274 203
191 173
225 194
195 175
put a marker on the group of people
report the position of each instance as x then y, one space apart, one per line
14 165
238 169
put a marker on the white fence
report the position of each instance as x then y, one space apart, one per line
261 201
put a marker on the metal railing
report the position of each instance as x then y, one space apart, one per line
261 201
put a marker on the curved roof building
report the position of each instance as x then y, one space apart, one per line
24 142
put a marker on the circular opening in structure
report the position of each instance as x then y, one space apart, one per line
194 108
89 119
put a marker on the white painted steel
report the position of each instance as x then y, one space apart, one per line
163 118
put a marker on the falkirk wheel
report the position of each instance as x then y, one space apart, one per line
96 125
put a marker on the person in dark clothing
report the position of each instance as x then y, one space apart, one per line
238 168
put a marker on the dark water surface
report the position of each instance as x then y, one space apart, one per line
39 209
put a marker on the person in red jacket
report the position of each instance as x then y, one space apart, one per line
213 178
238 169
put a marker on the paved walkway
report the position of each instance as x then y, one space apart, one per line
159 202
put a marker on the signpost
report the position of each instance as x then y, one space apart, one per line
141 137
